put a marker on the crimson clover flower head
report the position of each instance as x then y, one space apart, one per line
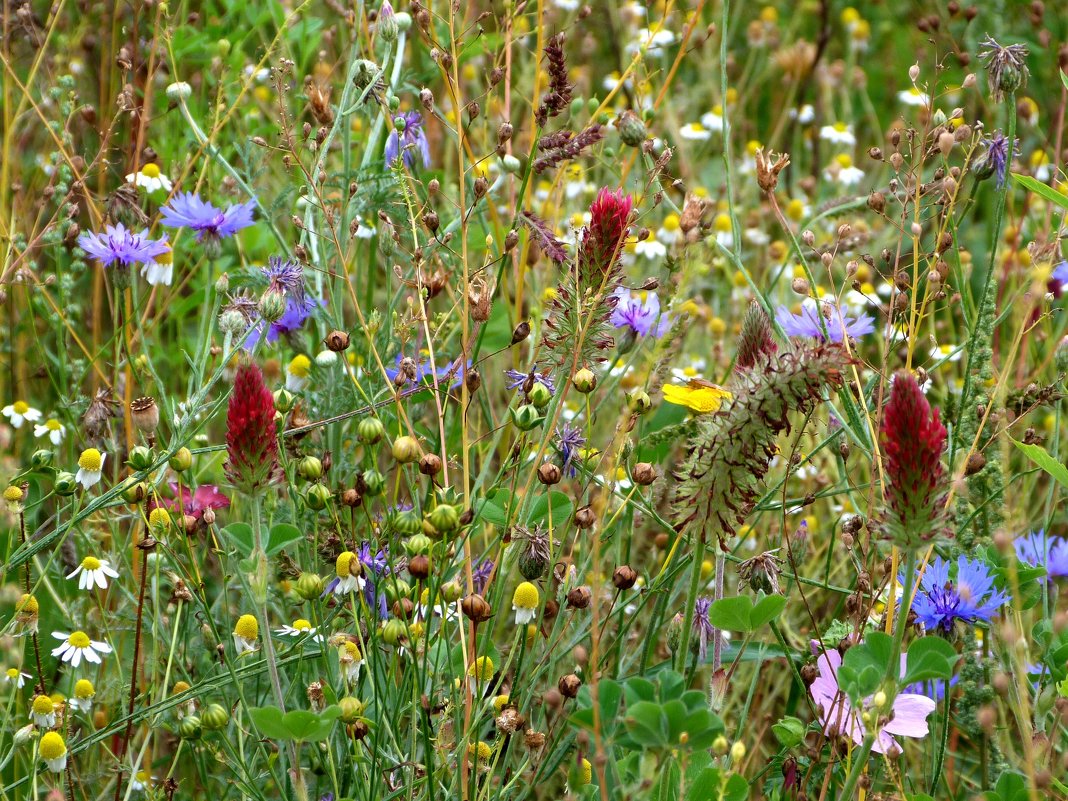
912 440
187 210
251 439
969 597
119 244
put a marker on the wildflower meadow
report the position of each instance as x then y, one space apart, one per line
533 399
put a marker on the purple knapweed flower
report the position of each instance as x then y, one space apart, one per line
406 138
1039 549
297 313
641 317
284 276
969 597
569 441
375 566
837 716
187 210
838 324
118 244
481 574
998 156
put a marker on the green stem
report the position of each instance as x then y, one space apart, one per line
691 600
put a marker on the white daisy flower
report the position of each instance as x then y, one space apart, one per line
84 692
150 179
669 232
77 646
840 134
53 750
914 97
16 677
349 574
804 115
694 369
652 41
650 249
612 80
90 465
93 571
141 781
51 428
43 712
525 602
843 171
159 270
20 411
713 120
947 353
300 628
246 634
297 373
695 131
350 660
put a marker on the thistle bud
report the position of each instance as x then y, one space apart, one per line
272 305
631 128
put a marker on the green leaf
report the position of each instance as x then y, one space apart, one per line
495 510
766 610
705 786
308 726
731 614
558 502
789 732
240 535
1039 188
1040 457
929 658
646 724
736 789
1010 787
865 665
269 722
282 534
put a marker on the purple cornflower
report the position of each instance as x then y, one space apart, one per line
703 625
1059 279
807 323
284 276
187 210
407 137
641 317
998 156
419 372
970 597
517 378
375 566
296 314
481 574
569 441
118 244
1038 549
908 716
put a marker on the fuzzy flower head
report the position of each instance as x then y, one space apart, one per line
284 276
187 210
77 646
823 322
90 467
969 597
525 602
246 634
407 138
1039 549
93 572
117 244
908 717
251 440
912 439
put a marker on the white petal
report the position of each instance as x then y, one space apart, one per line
101 581
102 647
75 657
91 656
77 570
59 635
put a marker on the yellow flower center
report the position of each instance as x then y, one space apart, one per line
42 705
769 14
20 407
352 651
482 668
671 222
84 689
166 257
12 673
247 628
159 517
722 223
343 566
179 687
717 110
90 563
79 639
27 603
844 160
300 366
52 746
150 171
90 460
52 424
13 494
697 127
302 625
732 95
752 146
526 596
499 702
841 127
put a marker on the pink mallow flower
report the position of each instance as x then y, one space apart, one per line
908 717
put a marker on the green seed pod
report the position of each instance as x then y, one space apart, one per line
394 631
42 459
317 497
406 523
540 395
215 717
445 518
310 468
452 591
639 401
140 458
310 586
352 708
406 450
373 483
182 460
190 728
526 417
418 545
370 430
135 492
585 380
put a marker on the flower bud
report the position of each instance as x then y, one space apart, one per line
66 484
284 401
179 91
445 518
182 460
215 717
190 728
639 402
135 492
317 497
371 483
584 380
394 632
526 417
42 459
140 458
624 577
351 708
272 305
631 129
539 395
418 544
419 567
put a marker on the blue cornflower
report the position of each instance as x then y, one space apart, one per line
187 210
641 317
1039 549
998 156
375 566
480 575
807 323
421 371
118 244
517 378
569 441
407 137
702 625
296 314
969 597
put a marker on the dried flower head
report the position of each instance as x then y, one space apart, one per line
1006 66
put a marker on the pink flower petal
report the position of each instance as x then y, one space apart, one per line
910 715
